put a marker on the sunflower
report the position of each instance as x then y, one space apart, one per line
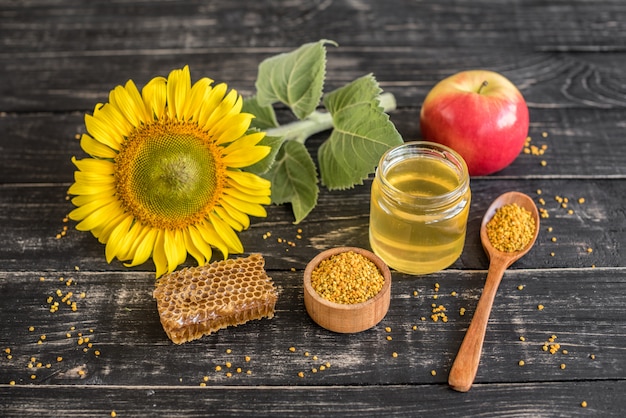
165 176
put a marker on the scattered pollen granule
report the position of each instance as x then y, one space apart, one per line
439 313
511 228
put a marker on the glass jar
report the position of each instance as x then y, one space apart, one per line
420 203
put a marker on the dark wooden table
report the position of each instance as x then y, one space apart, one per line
59 58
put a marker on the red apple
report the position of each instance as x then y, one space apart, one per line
481 115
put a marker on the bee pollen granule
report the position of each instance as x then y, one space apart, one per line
347 278
511 228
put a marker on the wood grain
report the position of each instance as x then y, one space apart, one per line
58 59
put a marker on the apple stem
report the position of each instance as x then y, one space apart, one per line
483 84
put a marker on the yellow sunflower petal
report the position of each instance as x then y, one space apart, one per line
114 121
175 251
96 148
249 180
115 242
256 191
242 142
103 197
103 231
130 241
102 132
144 247
136 101
214 98
199 93
230 105
246 157
192 249
178 87
90 189
103 167
93 178
211 237
130 104
252 209
199 242
155 97
81 212
244 197
241 217
158 255
230 220
120 98
226 233
93 222
236 127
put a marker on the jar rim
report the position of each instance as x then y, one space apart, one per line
442 152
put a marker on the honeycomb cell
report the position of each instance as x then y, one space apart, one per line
224 293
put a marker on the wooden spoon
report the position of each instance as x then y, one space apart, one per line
465 365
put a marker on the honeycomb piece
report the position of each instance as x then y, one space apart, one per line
197 301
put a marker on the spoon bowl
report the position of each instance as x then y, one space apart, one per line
465 365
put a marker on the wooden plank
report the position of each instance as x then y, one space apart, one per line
32 216
64 82
137 25
519 400
584 308
37 148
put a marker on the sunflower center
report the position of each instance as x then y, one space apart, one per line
169 175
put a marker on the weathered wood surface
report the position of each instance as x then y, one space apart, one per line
59 58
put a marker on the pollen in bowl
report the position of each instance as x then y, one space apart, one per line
418 214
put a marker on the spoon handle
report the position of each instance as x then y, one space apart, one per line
465 365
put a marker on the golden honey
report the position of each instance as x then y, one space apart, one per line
420 203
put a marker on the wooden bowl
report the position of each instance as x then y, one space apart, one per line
347 318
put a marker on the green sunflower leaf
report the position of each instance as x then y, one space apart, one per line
295 78
294 179
362 133
265 117
266 163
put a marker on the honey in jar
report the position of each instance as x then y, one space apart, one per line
420 203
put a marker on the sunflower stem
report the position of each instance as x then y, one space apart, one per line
318 122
